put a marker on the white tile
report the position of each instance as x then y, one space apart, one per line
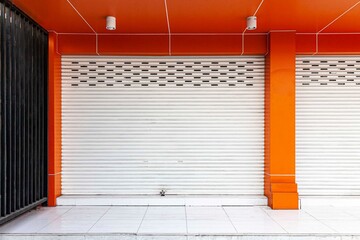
122 213
329 213
210 227
258 227
116 226
163 213
344 226
291 215
23 225
304 226
68 226
246 213
163 227
206 213
84 213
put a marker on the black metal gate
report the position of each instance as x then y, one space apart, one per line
23 112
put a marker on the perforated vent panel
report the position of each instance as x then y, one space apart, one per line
328 125
142 125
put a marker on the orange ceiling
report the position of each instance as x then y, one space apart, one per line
194 16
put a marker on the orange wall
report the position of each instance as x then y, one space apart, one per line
54 88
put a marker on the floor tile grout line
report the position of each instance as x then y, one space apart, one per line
186 222
321 221
99 219
137 232
263 209
229 219
51 221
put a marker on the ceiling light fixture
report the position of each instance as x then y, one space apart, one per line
251 23
110 23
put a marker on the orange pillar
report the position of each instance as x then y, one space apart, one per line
54 122
280 186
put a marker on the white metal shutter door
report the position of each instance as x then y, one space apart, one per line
328 125
183 125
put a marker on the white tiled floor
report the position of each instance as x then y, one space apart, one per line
187 221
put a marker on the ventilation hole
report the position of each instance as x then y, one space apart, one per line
222 80
222 73
350 72
101 81
214 70
350 80
249 77
323 76
197 70
214 62
83 80
223 66
232 62
214 77
118 80
118 66
341 83
144 85
231 77
136 66
153 66
74 70
214 85
110 70
92 77
92 85
241 66
162 77
171 81
250 70
331 80
240 80
101 73
232 85
323 68
110 63
118 74
306 61
206 74
92 70
162 85
323 83
206 66
127 62
145 77
136 74
179 85
162 70
341 76
153 74
341 61
74 77
188 66
136 81
197 85
305 84
144 62
197 62
306 69
110 77
241 73
127 85
332 65
249 84
197 77
187 73
188 81
180 77
171 74
342 69
162 62
127 77
231 70
153 81
74 84
357 83
323 61
171 66
179 70
75 62
315 80
92 62
206 81
109 84
315 65
179 62
250 62
101 66
314 72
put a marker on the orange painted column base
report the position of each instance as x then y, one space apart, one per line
280 185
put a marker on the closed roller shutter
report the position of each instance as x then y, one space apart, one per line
182 125
328 125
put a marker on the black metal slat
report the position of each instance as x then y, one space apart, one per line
2 150
23 113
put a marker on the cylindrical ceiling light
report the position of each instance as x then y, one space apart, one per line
110 23
251 23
